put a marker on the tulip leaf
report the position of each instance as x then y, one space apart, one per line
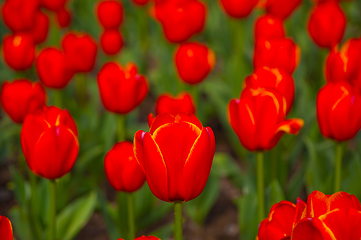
20 223
224 166
274 194
352 184
74 217
163 232
247 216
19 186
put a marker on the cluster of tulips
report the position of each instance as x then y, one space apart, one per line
178 151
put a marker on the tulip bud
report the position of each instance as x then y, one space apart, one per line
327 24
40 28
80 51
259 120
63 17
110 13
121 88
283 54
122 169
269 27
176 156
281 8
272 79
180 19
21 97
19 51
53 68
53 5
6 230
238 8
111 41
49 139
338 112
19 15
140 2
194 62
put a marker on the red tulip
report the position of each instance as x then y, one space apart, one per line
53 68
180 19
122 169
281 53
238 8
344 64
21 97
80 51
6 230
111 41
338 112
121 88
259 119
19 15
272 79
166 103
144 238
53 5
19 51
49 140
269 27
194 62
63 17
110 13
327 24
281 8
176 156
140 2
40 28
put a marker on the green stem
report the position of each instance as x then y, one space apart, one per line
33 210
57 98
260 185
131 219
338 166
52 211
80 88
121 127
178 221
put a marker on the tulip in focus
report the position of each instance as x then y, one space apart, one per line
121 88
53 68
338 112
21 97
180 19
80 51
6 230
281 8
176 156
194 62
327 24
110 13
111 41
269 27
122 169
238 8
258 118
49 139
19 51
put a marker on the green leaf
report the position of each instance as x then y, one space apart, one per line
274 194
163 232
20 223
74 217
247 216
19 186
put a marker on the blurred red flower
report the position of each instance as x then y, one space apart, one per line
281 8
49 139
166 103
140 2
21 97
63 17
122 169
144 238
269 27
121 88
111 41
41 27
109 13
53 5
238 8
6 230
176 156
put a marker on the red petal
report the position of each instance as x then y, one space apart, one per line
306 230
139 148
6 230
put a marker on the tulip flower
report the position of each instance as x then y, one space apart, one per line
283 54
19 51
80 51
53 5
6 230
180 19
327 24
40 28
337 111
259 119
194 62
64 17
281 8
49 139
122 169
21 97
140 2
166 103
238 8
19 15
176 156
110 13
144 238
121 88
111 41
53 68
269 27
272 79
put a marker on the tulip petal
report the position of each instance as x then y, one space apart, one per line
6 231
306 230
280 220
291 126
301 211
161 120
139 148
